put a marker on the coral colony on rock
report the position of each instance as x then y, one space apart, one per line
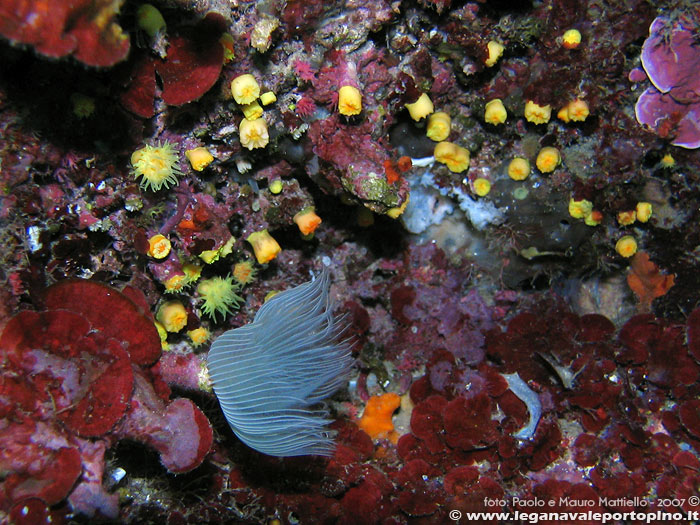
363 262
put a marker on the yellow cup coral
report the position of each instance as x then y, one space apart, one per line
176 283
226 41
267 98
643 211
421 108
307 220
253 133
276 186
571 38
576 110
495 112
252 111
219 296
349 101
537 114
192 271
626 246
159 246
261 36
594 218
211 256
264 246
162 334
172 315
625 218
519 168
156 165
244 272
245 89
438 128
548 159
198 336
495 50
667 161
482 187
199 158
580 209
397 211
455 157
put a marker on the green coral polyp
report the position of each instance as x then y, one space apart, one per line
219 295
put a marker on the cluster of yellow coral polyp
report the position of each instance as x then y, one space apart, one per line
438 128
252 130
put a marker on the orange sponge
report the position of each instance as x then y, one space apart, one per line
376 420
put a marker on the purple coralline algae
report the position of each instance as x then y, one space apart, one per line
671 59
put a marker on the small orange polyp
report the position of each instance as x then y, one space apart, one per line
376 420
264 246
404 164
243 272
307 220
226 41
159 246
667 161
198 336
